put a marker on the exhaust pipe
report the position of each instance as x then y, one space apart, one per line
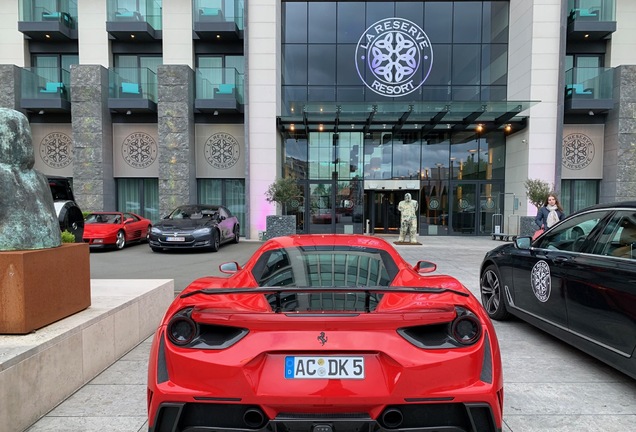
392 418
254 418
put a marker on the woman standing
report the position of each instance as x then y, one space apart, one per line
550 213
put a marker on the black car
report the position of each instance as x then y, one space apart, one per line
68 212
576 281
195 226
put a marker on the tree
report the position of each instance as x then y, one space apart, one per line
283 191
537 191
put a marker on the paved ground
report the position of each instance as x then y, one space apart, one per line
549 386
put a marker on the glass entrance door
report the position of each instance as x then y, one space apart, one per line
473 205
383 209
463 208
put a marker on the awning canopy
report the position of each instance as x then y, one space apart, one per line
424 117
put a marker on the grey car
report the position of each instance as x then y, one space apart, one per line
195 226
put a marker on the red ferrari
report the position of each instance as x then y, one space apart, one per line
115 229
325 333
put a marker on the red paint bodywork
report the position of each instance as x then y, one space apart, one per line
397 372
135 230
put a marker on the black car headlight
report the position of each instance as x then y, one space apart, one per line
184 331
202 231
464 330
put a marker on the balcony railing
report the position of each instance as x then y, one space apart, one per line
45 88
63 11
48 83
589 90
132 83
592 10
132 11
211 11
219 83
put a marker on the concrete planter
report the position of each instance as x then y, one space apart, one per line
39 287
277 226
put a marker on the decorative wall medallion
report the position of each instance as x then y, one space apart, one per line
578 151
394 57
55 150
433 204
541 281
222 150
463 204
139 150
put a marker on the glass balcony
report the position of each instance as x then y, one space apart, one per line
592 10
591 19
219 89
45 89
48 19
132 90
589 89
141 18
218 18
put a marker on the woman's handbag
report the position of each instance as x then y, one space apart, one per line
537 233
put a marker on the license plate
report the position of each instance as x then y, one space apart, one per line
324 367
175 239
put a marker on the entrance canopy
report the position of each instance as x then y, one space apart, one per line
423 117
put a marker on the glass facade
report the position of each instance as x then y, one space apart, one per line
395 52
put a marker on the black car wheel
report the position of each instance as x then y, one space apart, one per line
237 234
215 242
72 220
121 240
492 295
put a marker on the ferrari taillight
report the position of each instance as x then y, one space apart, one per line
182 329
465 329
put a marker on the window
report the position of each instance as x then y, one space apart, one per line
572 235
227 192
138 195
619 236
578 194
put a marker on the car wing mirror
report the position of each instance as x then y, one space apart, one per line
229 267
523 242
423 267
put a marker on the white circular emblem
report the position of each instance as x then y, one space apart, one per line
490 203
541 281
578 151
55 150
139 150
222 150
463 204
394 57
433 204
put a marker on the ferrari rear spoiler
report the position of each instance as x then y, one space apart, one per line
278 292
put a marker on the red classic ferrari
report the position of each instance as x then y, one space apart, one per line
108 229
325 333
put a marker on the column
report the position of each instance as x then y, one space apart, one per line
175 106
93 182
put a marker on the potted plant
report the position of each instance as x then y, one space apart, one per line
537 191
283 191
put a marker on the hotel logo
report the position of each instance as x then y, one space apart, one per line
394 57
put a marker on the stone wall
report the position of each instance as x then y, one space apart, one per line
93 182
175 106
619 159
10 87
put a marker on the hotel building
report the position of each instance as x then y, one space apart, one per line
150 104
